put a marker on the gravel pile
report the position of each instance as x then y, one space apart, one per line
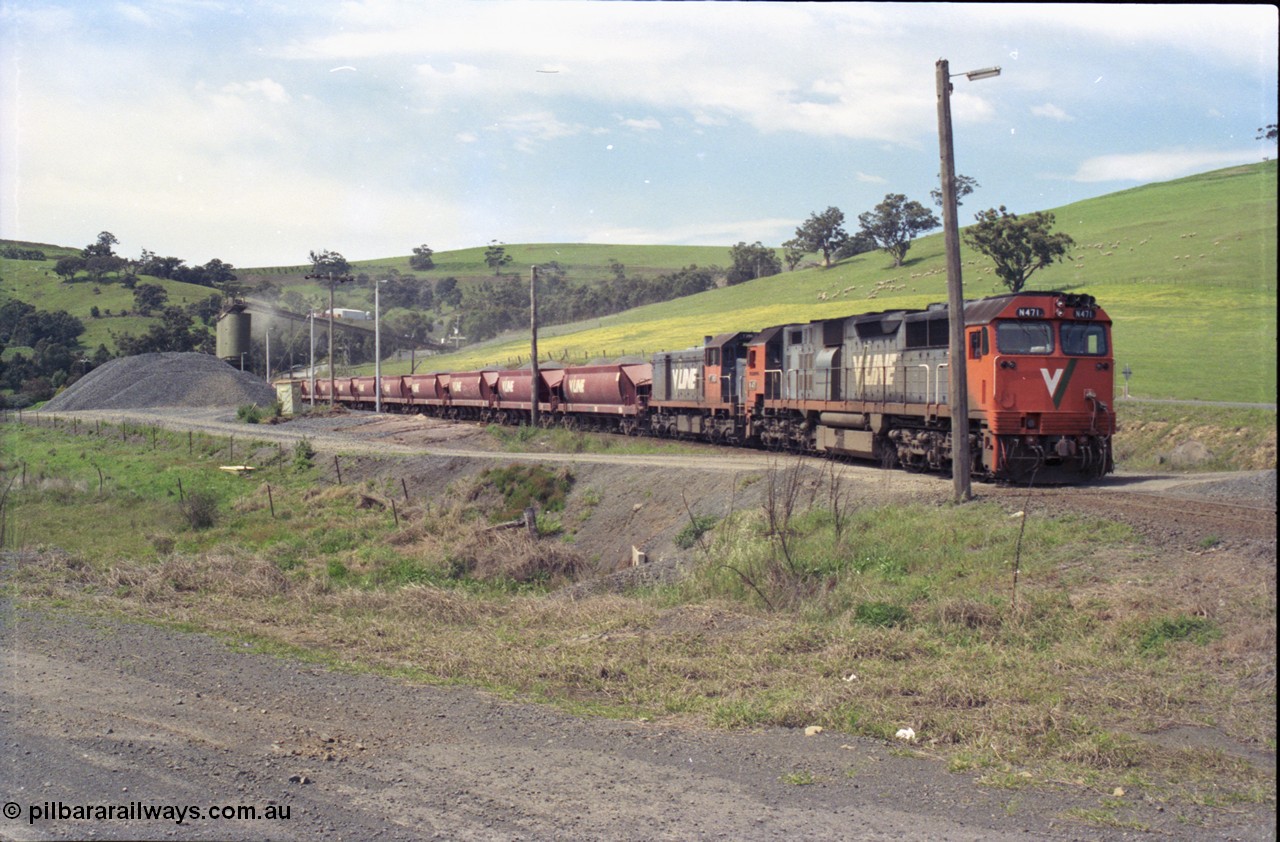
164 380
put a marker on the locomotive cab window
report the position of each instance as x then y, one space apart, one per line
978 344
1024 337
1084 339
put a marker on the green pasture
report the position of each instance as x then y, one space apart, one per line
1186 269
35 283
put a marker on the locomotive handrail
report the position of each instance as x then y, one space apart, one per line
925 366
773 377
937 382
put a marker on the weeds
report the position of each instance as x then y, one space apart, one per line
884 614
521 486
1157 634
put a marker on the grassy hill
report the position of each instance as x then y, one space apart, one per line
581 261
35 283
468 264
1185 268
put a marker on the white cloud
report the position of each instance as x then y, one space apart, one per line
458 75
655 55
134 14
867 178
646 124
1160 165
971 108
269 89
1227 33
529 130
1052 112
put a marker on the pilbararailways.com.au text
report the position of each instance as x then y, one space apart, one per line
141 811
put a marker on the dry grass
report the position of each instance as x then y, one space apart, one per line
1029 691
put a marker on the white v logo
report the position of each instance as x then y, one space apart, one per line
1051 380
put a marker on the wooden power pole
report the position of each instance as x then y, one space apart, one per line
533 349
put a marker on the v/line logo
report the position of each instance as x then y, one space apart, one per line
1057 382
685 379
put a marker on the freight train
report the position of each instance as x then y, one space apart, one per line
872 386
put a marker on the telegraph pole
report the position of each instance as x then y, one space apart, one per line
961 461
333 279
311 362
533 330
961 456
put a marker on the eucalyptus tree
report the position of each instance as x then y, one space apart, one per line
1019 245
895 222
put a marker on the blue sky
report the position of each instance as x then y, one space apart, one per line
256 132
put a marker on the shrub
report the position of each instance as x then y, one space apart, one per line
697 527
303 453
199 509
249 413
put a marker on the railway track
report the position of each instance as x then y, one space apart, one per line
1170 514
1159 506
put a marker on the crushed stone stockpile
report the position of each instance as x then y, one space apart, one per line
167 379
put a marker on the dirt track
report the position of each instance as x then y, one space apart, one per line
101 712
98 713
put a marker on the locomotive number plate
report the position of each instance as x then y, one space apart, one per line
1082 313
1031 312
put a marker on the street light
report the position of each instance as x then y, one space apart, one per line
961 457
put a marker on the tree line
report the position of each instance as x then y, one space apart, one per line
98 260
1018 245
